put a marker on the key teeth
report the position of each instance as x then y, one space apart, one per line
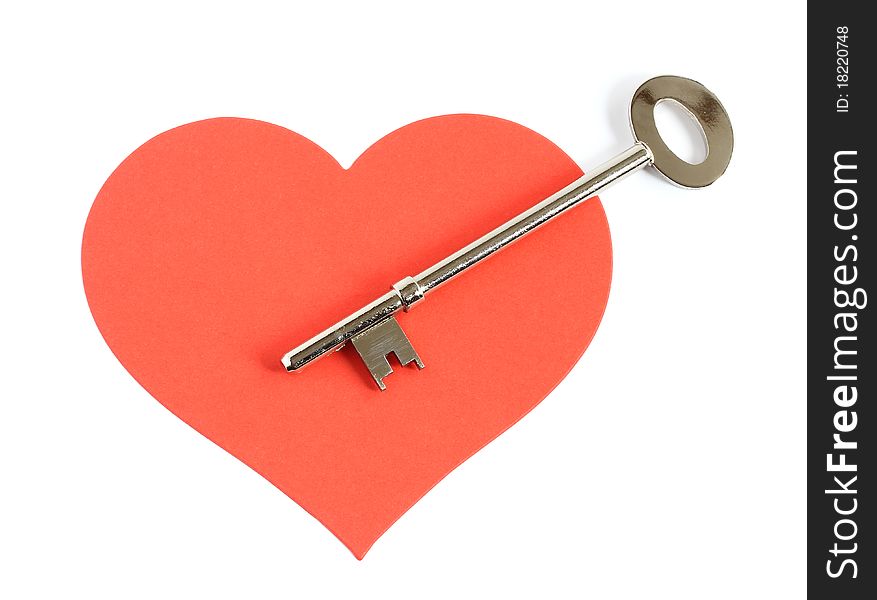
380 380
379 371
414 359
377 343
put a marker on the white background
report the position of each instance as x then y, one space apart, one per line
669 464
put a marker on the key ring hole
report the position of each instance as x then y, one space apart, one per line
681 131
711 123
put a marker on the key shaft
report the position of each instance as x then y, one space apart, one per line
412 289
614 170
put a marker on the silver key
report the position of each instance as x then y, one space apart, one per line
374 331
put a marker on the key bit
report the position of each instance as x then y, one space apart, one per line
373 329
376 343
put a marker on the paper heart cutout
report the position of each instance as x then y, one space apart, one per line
217 246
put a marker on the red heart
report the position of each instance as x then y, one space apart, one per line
219 245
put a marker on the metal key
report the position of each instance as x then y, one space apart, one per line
374 331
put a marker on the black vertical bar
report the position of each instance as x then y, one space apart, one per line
841 366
